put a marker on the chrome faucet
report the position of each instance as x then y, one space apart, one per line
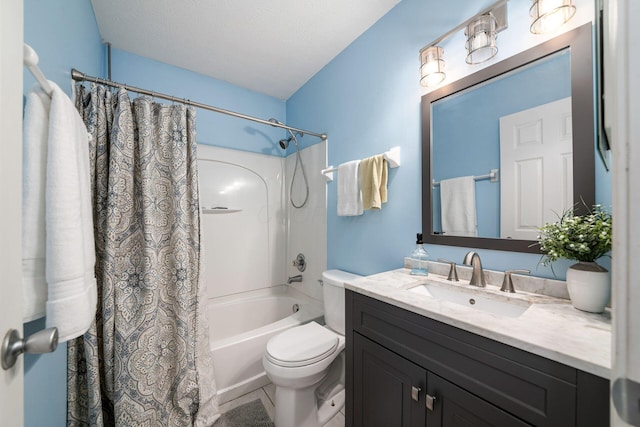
297 278
477 276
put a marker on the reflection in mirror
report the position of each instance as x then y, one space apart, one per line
526 138
489 178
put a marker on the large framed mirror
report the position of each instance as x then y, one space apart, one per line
517 140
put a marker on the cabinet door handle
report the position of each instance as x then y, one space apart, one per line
430 401
415 393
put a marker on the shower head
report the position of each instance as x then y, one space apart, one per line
284 143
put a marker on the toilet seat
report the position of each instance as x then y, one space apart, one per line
302 346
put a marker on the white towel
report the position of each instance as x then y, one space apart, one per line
67 215
34 158
349 193
458 206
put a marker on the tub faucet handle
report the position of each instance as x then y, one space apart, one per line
507 283
453 271
300 263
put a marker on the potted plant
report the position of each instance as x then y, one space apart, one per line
584 238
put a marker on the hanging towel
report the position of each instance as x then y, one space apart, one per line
69 254
373 180
349 194
458 206
34 158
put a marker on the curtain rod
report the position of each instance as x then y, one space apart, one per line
78 76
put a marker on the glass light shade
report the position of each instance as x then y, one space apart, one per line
431 66
481 39
549 15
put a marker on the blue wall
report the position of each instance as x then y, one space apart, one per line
65 35
466 127
368 100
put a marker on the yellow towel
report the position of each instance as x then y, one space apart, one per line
373 182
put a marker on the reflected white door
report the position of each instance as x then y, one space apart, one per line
536 161
11 381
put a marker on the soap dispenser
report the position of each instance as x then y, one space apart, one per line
418 258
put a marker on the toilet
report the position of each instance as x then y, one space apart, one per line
306 363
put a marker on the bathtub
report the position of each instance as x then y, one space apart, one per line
240 326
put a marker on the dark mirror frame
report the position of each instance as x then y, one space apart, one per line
579 42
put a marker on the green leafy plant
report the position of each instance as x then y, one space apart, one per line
578 237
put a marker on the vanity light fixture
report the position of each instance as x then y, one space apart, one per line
549 15
481 32
431 66
481 39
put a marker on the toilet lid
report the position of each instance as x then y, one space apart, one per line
302 345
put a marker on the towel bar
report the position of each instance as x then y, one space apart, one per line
493 176
392 157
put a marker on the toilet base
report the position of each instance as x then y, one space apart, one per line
300 407
296 407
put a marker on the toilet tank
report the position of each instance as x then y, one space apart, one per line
333 294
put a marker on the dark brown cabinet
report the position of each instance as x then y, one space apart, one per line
389 390
455 407
405 370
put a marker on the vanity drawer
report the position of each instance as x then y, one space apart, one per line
534 389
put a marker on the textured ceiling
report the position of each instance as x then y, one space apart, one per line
270 46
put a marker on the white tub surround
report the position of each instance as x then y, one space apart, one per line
550 327
241 325
243 221
307 226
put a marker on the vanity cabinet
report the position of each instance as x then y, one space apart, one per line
397 361
388 389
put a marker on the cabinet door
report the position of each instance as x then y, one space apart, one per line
385 386
455 407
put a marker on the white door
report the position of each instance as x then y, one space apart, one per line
11 387
536 164
622 107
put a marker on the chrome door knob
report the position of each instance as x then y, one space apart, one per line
44 341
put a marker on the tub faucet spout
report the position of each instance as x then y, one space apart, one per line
477 276
297 278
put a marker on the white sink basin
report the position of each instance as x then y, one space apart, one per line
477 299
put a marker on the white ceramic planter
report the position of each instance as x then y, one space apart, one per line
589 286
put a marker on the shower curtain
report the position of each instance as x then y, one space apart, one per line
144 361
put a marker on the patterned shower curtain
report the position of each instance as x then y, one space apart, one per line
141 363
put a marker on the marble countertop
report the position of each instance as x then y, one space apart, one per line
550 327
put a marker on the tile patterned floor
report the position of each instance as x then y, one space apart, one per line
267 396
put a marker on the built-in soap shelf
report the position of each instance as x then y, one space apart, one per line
392 157
219 210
